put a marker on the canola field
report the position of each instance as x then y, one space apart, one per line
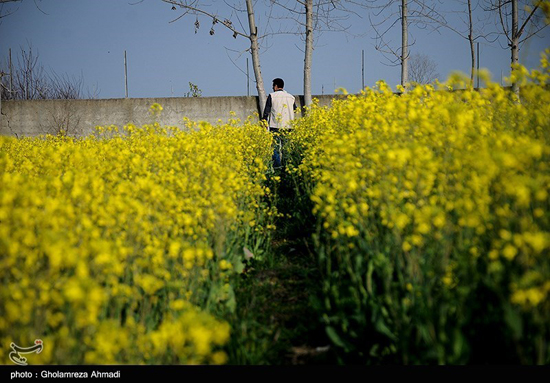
118 248
431 223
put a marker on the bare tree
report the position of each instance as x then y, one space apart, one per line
391 16
62 119
28 80
310 17
422 69
518 24
404 43
405 13
472 29
195 7
65 87
308 4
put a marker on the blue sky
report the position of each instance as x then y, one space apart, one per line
89 37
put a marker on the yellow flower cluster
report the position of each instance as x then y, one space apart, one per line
443 184
115 248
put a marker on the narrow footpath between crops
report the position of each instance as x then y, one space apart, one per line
277 321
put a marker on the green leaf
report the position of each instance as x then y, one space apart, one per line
458 345
374 350
231 302
513 320
370 269
381 327
239 267
424 333
334 337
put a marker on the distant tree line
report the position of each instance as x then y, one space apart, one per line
513 21
26 79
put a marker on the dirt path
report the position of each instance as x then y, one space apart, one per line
278 322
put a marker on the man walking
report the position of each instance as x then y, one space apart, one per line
278 112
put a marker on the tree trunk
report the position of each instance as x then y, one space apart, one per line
515 42
255 51
308 52
471 39
404 44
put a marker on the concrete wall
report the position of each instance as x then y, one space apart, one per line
79 117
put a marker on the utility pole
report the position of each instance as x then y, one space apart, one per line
363 69
247 79
126 73
11 74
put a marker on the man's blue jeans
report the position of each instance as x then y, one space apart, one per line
277 148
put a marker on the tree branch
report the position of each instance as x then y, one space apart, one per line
528 18
227 23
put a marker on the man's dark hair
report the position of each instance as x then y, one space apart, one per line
279 82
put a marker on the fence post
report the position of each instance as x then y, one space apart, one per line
126 73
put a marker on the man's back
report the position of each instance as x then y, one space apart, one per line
279 109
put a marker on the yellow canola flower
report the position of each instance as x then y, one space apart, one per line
429 176
124 226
